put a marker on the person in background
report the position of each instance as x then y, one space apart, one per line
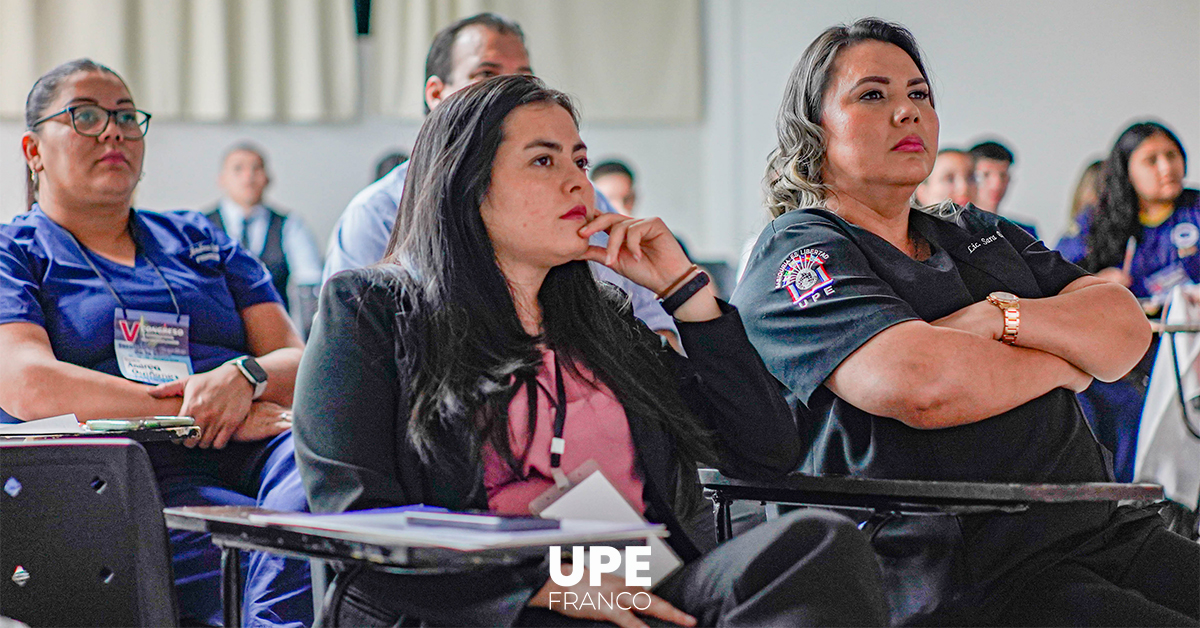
614 179
466 52
278 238
434 378
388 163
1142 233
993 163
952 178
89 289
946 344
1087 192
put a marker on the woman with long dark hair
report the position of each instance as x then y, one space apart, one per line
480 362
1142 233
946 344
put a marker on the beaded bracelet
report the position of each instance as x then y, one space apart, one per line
676 299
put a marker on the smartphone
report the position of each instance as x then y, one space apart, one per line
139 423
480 521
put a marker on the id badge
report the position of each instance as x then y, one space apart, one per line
592 496
1160 283
152 347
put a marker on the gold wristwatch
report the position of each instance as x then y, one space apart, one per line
1010 305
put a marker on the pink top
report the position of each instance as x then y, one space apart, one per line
596 428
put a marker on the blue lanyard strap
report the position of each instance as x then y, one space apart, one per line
138 250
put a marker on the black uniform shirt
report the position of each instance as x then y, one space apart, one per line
817 288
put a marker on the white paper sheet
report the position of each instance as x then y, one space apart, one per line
596 498
63 424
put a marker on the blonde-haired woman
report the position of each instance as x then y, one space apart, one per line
945 346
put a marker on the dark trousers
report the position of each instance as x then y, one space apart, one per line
808 568
1158 586
278 590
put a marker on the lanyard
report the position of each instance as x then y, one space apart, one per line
558 444
138 249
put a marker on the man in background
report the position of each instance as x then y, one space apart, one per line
470 50
280 240
952 177
388 163
993 161
614 179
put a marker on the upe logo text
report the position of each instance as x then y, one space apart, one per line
601 560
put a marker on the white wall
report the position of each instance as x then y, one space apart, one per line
1057 80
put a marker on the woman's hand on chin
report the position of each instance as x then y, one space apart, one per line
642 249
551 596
219 400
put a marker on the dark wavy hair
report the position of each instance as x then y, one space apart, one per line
1115 217
475 354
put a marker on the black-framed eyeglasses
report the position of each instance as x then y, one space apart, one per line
91 120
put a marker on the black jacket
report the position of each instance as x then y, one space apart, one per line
352 406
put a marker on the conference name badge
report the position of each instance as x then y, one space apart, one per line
1184 237
152 347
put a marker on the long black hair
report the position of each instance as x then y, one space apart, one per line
475 354
1115 217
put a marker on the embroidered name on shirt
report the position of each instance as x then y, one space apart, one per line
204 253
974 246
803 275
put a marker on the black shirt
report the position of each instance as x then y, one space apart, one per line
817 288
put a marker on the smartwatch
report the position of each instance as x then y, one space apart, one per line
254 373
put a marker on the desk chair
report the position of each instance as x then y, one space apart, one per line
881 501
1168 447
85 543
885 499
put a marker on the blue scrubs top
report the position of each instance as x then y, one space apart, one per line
44 280
1166 254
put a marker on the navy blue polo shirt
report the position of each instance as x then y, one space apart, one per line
44 280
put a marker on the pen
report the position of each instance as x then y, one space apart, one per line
1130 249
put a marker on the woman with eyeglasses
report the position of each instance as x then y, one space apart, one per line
109 311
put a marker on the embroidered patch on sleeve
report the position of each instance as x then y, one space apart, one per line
803 275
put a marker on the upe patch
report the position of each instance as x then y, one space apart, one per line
803 274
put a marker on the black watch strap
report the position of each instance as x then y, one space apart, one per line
688 290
